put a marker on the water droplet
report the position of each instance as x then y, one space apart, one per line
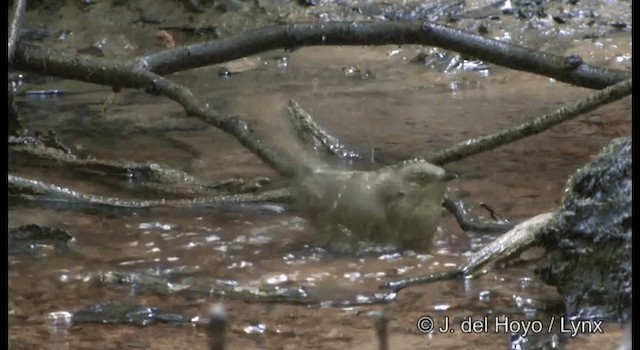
352 276
393 256
281 278
529 312
484 296
256 328
241 265
212 238
59 321
64 278
441 307
525 282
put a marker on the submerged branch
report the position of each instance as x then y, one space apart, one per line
144 73
34 189
123 73
157 177
571 110
208 287
570 69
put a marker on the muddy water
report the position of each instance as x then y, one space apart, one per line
400 111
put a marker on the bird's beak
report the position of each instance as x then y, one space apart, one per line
448 176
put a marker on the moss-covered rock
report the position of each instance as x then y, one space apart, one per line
588 241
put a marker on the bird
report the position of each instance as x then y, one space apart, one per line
400 204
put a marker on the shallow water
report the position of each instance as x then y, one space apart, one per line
404 111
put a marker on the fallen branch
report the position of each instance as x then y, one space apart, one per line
314 136
569 69
568 111
123 73
139 73
31 148
504 248
32 189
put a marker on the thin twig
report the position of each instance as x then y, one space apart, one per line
571 110
456 208
398 285
14 27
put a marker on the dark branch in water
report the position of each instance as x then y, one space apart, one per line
14 27
28 188
456 208
381 33
123 73
571 110
313 135
139 73
157 177
434 277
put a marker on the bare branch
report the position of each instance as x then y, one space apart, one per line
505 247
14 27
315 136
570 69
478 145
123 73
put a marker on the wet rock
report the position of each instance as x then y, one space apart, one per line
588 241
